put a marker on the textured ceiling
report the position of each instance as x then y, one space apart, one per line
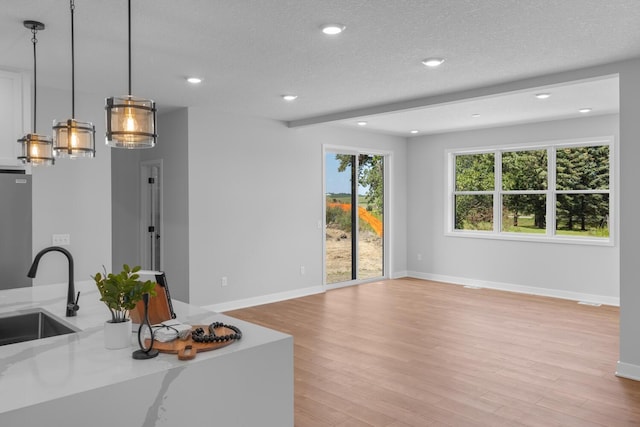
249 52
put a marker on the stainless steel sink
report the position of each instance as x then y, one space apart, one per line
30 325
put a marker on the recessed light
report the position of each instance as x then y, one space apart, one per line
414 131
362 123
194 80
332 29
585 110
475 116
433 62
543 95
289 97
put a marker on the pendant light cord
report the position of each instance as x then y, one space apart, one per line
34 40
73 65
129 47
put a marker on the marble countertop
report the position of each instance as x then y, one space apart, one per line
42 370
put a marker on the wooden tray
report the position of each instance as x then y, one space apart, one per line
187 349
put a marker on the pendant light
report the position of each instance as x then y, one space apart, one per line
131 122
36 149
72 138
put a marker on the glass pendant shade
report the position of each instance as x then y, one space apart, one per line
131 122
36 150
74 139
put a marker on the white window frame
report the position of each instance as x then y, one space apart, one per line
550 235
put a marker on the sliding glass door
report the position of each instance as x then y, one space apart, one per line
354 219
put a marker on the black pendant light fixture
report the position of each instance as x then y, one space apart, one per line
72 138
36 149
131 122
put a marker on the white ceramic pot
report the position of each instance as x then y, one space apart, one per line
117 335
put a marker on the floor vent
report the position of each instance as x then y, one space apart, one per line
472 287
592 304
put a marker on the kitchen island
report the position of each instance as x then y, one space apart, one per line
72 380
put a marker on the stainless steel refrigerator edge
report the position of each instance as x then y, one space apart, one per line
15 229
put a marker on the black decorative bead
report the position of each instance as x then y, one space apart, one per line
198 335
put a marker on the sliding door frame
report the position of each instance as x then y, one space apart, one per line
386 215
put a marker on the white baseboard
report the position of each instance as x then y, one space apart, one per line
627 370
399 274
531 290
312 290
264 299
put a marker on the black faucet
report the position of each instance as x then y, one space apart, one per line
72 305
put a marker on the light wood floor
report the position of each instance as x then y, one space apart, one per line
410 352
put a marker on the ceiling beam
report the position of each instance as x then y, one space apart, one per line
547 81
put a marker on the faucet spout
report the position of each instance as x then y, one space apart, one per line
72 299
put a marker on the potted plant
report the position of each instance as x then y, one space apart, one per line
120 293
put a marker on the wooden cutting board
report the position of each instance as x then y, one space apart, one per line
187 349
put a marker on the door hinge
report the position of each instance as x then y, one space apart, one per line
151 229
152 180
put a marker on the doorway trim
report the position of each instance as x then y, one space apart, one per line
387 214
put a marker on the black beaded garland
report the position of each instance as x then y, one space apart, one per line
198 335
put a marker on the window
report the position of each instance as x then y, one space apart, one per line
559 191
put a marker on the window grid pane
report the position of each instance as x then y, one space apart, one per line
524 170
474 212
582 168
475 172
582 215
524 213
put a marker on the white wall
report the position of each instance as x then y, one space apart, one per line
629 364
74 196
578 271
255 199
125 207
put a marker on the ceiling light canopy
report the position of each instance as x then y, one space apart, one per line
585 110
36 149
414 131
475 115
194 80
362 123
332 29
543 95
433 62
131 122
72 138
290 97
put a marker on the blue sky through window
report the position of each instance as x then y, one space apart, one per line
338 182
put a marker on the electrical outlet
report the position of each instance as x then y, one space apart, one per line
223 281
419 257
61 239
302 270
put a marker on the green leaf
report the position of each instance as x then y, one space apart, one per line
121 291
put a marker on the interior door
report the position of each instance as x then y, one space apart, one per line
151 215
